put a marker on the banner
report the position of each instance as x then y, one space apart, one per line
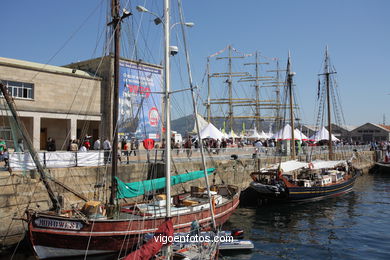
139 108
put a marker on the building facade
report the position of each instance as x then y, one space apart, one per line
76 100
56 102
370 132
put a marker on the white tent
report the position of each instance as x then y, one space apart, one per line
232 134
322 134
285 134
263 135
269 134
210 131
254 135
202 123
299 135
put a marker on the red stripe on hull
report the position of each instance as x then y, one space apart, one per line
118 234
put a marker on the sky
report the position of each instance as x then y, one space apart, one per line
356 32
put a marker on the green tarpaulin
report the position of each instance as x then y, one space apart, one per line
134 189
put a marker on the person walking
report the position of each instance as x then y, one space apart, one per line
51 145
132 147
20 147
107 150
96 144
136 144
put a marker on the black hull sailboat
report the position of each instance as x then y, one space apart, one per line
295 181
327 183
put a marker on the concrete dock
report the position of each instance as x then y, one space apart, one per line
22 190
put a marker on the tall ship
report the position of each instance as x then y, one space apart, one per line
295 181
242 92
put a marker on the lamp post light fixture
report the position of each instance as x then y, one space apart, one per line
158 19
142 9
188 24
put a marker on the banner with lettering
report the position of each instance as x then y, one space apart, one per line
139 104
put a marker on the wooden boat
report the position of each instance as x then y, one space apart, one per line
69 234
295 181
304 181
90 230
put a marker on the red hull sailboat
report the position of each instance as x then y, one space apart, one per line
54 236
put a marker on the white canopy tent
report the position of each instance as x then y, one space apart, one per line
323 134
285 134
269 135
210 131
299 135
254 135
232 134
202 123
263 135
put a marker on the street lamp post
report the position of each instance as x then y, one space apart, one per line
167 28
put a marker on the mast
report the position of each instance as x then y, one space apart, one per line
230 86
30 147
167 83
257 80
196 117
208 92
116 23
327 80
167 108
290 75
114 166
257 94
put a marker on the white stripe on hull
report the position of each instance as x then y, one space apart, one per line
51 252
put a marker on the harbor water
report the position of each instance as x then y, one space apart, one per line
353 226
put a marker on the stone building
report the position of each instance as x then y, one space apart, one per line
52 101
72 101
370 132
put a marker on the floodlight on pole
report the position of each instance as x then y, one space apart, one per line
142 9
188 24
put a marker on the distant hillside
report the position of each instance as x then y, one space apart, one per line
186 124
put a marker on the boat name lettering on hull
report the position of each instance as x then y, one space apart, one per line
61 224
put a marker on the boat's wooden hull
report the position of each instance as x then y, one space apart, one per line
302 194
54 236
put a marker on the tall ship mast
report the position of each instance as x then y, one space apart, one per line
257 103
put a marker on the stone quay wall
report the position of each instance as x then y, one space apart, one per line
22 190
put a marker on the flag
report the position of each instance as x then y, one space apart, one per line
243 129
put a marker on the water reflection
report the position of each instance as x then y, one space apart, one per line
346 227
353 226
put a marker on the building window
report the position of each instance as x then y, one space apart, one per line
19 89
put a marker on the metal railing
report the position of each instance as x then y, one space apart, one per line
63 159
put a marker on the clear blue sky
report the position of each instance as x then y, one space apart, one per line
356 31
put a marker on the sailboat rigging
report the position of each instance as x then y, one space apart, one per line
294 181
96 228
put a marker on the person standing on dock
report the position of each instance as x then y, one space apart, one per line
107 150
